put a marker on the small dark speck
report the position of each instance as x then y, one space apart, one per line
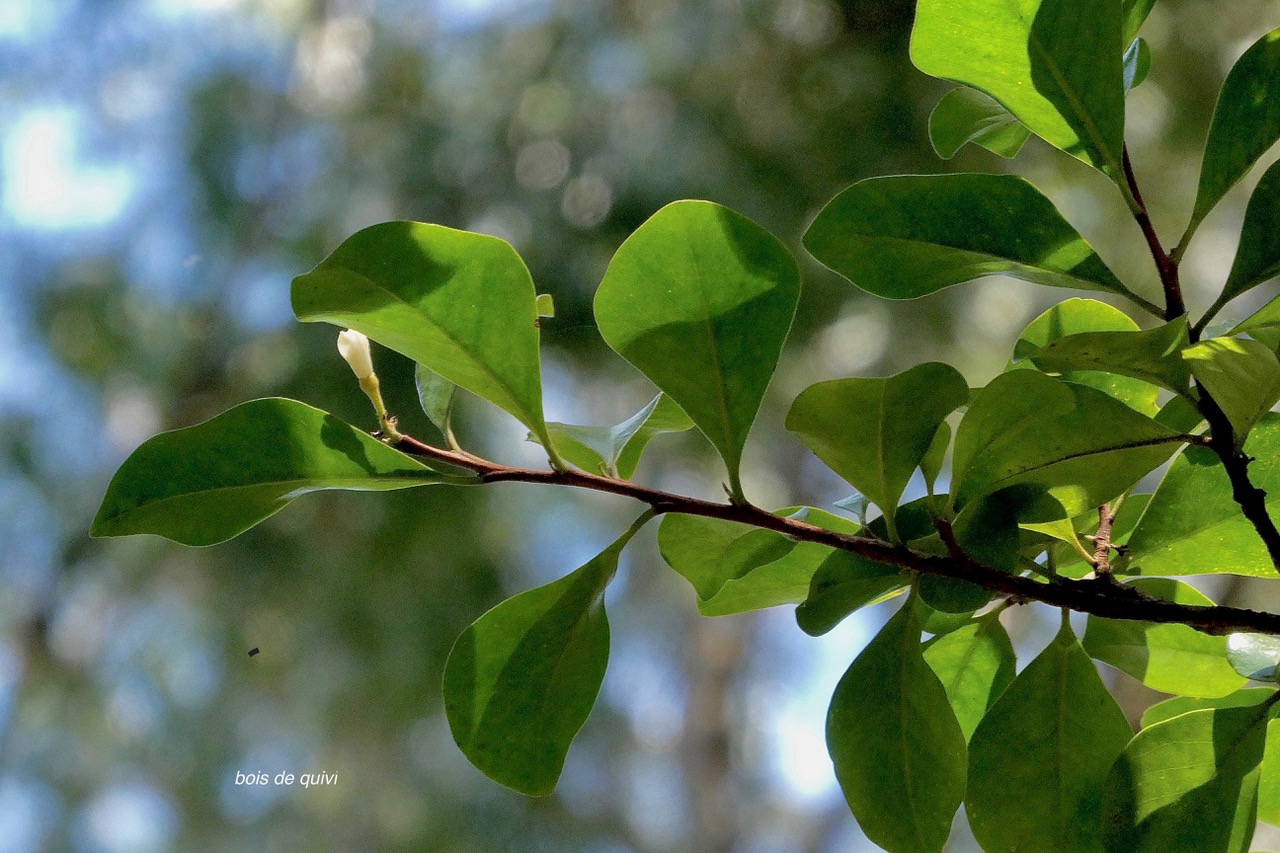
253 651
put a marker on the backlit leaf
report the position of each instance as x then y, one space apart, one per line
1241 375
966 115
975 663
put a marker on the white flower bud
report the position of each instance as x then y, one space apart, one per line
354 347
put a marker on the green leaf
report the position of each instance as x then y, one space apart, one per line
462 304
966 115
1258 256
735 568
207 483
1056 65
975 663
875 432
1169 658
898 751
545 305
1188 783
615 451
1137 64
1029 430
1135 13
1254 656
1179 705
907 236
521 680
1269 780
1263 325
932 461
1192 526
436 394
1085 316
1241 375
1038 758
700 299
1153 356
842 584
1246 122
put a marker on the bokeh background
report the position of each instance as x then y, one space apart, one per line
166 166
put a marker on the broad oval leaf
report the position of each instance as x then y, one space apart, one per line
204 484
907 236
735 568
615 451
1254 656
1038 433
1241 375
975 663
1179 705
462 304
875 432
899 752
966 115
842 584
700 299
1170 658
1055 64
1038 758
1246 122
1188 783
1192 526
1085 316
520 681
1153 356
1258 255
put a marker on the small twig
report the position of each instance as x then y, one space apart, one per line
1102 540
1174 306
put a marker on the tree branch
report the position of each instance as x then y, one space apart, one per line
1100 596
1251 499
1174 306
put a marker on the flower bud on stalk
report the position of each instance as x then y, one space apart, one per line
354 348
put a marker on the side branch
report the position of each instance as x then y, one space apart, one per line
1099 596
1174 305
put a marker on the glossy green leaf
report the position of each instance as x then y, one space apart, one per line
1085 316
1137 64
700 299
1153 356
1135 13
906 236
1038 758
615 451
1269 780
1192 526
975 663
966 115
545 305
1179 705
934 457
462 304
1258 256
899 752
1188 783
1263 325
1241 375
875 432
952 595
842 584
436 394
1169 658
1035 432
1246 122
521 680
735 568
207 483
1056 65
1254 656
936 622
